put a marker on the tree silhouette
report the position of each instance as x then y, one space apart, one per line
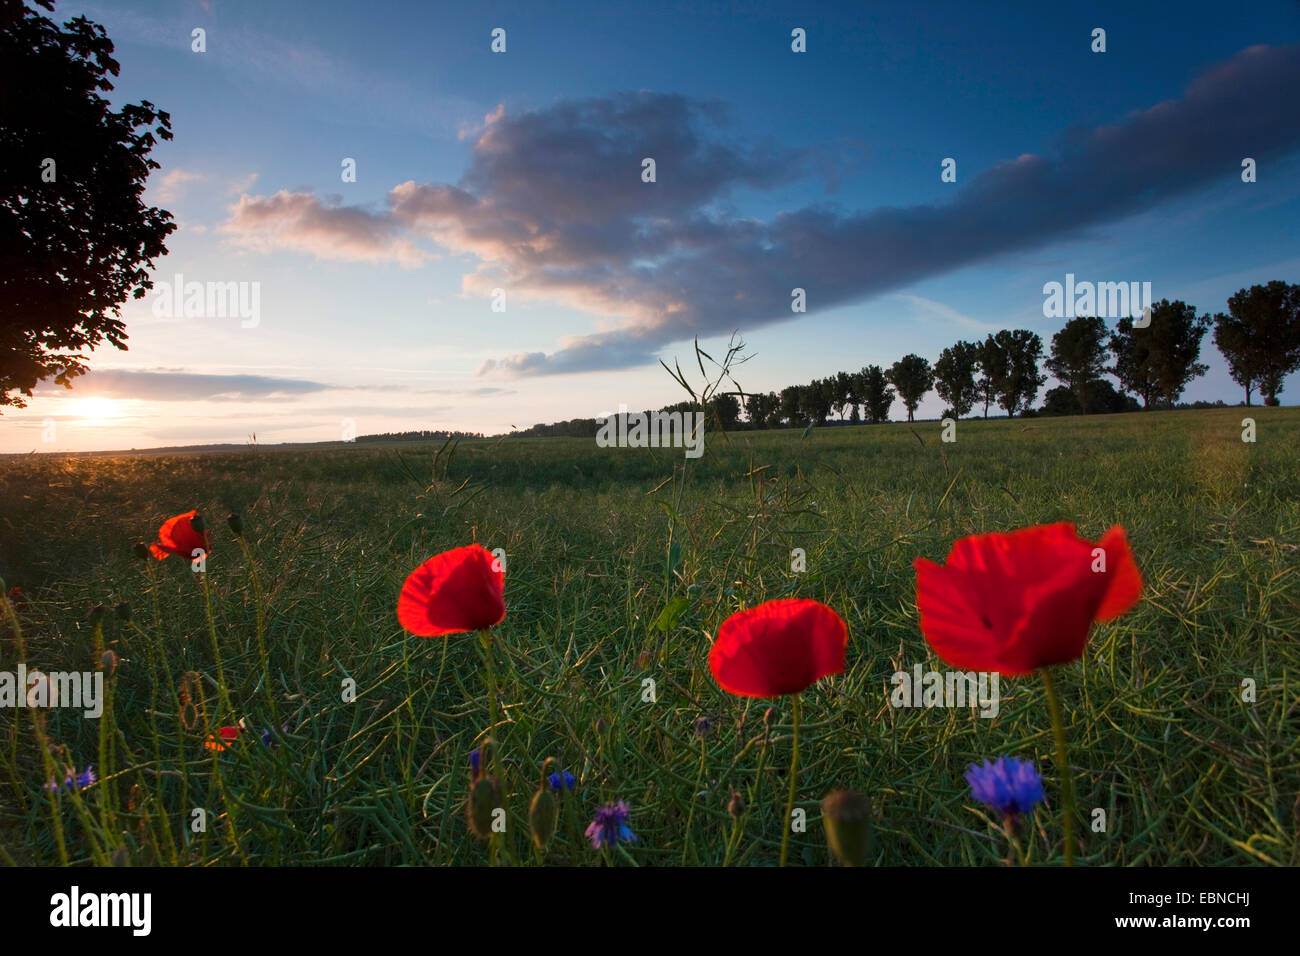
1156 363
1014 356
912 377
1260 337
993 369
75 238
954 376
876 394
1079 356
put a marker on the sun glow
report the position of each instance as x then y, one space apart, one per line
96 409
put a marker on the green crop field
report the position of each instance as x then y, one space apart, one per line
1183 716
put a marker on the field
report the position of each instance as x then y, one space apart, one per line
621 563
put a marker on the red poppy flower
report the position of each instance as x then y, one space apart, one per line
453 592
1015 602
218 741
178 536
781 647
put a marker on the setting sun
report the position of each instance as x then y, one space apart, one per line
95 409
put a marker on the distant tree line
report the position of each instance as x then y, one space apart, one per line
418 436
1259 337
722 411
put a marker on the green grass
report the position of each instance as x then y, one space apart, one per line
598 543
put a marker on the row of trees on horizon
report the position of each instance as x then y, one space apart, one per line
1259 337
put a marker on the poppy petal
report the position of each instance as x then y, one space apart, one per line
453 592
177 536
1014 602
780 647
951 621
1125 579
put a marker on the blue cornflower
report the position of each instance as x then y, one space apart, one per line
1008 786
610 826
562 781
73 782
475 761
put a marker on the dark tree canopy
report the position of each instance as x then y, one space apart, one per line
75 237
1013 357
1101 399
954 376
1156 363
912 377
1260 337
877 396
993 368
763 409
1079 353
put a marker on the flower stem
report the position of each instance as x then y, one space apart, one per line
794 767
690 816
1062 766
261 632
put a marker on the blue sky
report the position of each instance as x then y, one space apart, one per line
521 171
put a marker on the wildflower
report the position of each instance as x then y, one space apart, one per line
609 827
1016 602
736 805
703 727
453 592
1008 786
181 535
222 739
780 647
73 781
562 781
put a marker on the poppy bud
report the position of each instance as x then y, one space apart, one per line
736 805
847 817
108 660
97 614
484 797
141 550
236 524
196 522
542 815
123 611
643 660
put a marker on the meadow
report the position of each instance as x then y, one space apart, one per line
620 565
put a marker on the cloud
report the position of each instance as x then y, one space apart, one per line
301 222
242 184
178 386
553 207
930 308
173 183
